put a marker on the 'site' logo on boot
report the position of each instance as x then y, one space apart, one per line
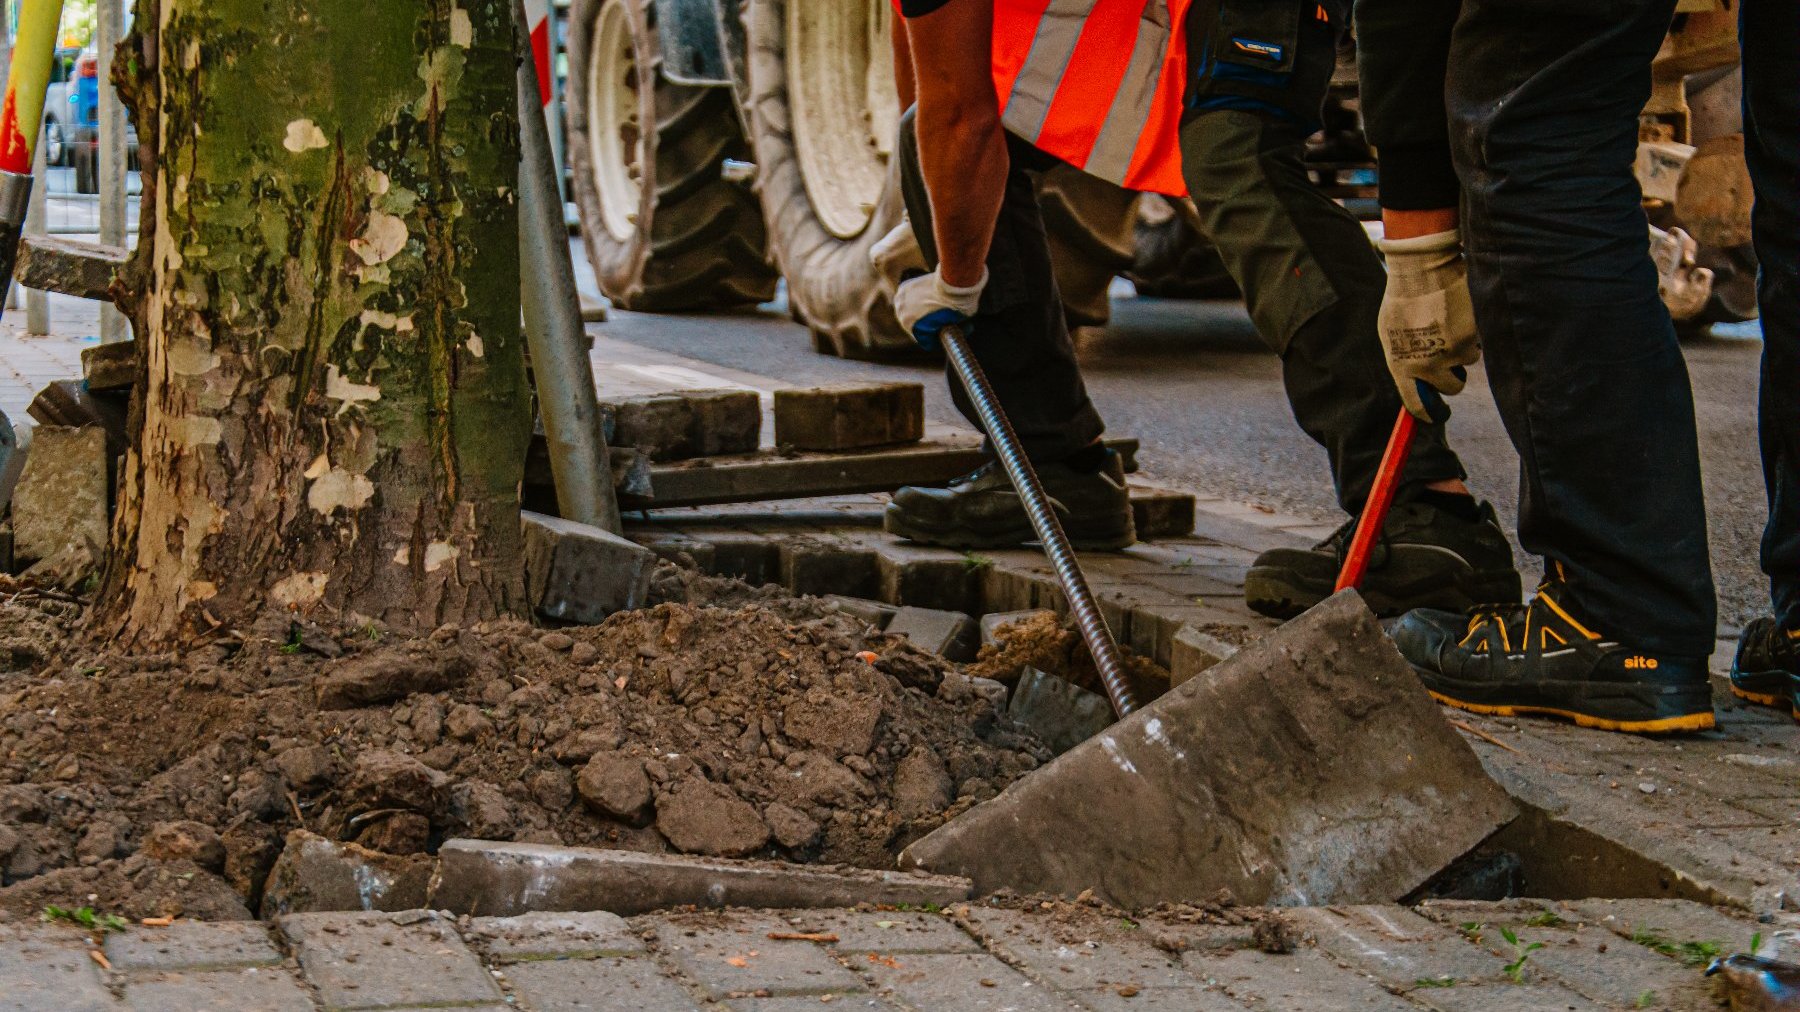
1640 663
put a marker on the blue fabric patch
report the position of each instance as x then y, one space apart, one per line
1271 51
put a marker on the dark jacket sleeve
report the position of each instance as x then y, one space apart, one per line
1402 54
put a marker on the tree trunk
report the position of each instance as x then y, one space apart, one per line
334 414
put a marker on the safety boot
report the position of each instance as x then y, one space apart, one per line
1543 659
1427 558
981 510
1766 669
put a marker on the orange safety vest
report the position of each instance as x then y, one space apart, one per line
1097 83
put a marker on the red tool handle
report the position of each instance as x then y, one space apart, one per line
1381 498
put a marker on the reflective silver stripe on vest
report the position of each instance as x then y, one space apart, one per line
1057 33
1111 156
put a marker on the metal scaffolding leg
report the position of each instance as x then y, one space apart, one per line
37 304
110 16
553 331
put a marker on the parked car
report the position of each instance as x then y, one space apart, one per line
61 107
83 133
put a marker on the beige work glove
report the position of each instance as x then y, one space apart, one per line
1427 321
1685 287
897 254
925 306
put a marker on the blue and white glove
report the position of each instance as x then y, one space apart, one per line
926 306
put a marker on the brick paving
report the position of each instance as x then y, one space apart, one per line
974 957
1708 816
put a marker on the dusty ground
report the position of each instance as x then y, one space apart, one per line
723 721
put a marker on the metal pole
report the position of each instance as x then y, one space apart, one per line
553 331
111 25
37 304
1049 530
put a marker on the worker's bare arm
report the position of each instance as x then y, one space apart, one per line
962 149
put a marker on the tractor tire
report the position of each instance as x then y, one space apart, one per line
823 110
1089 223
1173 260
664 227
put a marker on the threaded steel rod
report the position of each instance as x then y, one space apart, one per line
1049 530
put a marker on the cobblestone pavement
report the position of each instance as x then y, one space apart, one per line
1594 954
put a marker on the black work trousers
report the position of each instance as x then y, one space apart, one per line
1310 278
1542 100
1770 34
1018 335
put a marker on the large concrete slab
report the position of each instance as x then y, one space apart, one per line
1308 768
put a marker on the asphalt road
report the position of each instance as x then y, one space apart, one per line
1191 380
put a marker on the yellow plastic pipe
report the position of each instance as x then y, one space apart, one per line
22 113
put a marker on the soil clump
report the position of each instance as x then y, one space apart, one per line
1053 645
723 720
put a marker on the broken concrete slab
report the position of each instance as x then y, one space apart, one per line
502 879
316 874
83 269
632 479
1192 652
949 634
875 613
1309 768
689 423
1161 512
1060 713
69 403
579 573
957 687
850 416
60 504
110 366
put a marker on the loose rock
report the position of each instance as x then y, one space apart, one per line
185 841
385 676
615 785
389 779
701 817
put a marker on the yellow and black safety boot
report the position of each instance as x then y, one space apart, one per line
1429 556
1766 669
1542 659
981 510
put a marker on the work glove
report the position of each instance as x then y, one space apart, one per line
926 306
1685 287
897 255
1427 320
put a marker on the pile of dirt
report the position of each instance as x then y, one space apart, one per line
1053 645
725 722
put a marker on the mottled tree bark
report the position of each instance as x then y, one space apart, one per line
334 414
